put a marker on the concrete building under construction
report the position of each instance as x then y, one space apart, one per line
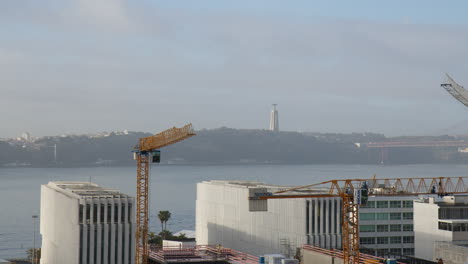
223 217
83 223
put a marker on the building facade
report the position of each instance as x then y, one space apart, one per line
223 217
439 220
386 226
83 223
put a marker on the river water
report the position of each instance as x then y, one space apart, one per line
173 188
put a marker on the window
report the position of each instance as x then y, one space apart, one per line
407 216
130 208
88 213
81 214
453 213
382 204
368 251
455 227
395 240
395 204
407 204
381 252
109 213
381 216
116 213
95 210
367 228
395 216
382 228
408 251
382 240
408 239
122 213
370 204
102 213
395 228
407 227
367 240
395 251
367 216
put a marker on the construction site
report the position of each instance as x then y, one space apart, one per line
350 221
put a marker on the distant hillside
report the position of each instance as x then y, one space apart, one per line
219 146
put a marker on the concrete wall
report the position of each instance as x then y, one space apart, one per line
310 257
426 230
223 217
171 243
59 227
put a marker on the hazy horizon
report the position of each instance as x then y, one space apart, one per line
332 66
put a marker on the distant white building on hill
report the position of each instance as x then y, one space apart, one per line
274 120
83 223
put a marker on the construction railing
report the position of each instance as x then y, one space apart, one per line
168 253
364 258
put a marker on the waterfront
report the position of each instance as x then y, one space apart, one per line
173 188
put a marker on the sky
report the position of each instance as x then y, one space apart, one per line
87 66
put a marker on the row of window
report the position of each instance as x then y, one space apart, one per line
455 227
112 215
453 213
386 240
386 216
388 204
385 228
93 249
389 252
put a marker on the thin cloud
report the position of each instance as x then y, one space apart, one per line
95 65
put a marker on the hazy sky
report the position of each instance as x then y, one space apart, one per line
332 66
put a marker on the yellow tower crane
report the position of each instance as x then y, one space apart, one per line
147 151
354 192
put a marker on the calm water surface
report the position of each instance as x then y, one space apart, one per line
173 188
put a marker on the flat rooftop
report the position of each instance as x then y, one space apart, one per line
86 189
270 187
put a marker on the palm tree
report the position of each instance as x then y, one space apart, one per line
34 252
168 216
164 216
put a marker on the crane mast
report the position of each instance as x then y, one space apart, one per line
354 192
147 151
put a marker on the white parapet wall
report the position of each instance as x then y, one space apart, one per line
59 227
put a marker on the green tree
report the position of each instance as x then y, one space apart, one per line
164 216
165 234
154 239
37 254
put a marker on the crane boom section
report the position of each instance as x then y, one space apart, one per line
383 187
166 138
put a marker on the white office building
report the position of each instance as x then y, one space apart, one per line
83 223
440 220
223 217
